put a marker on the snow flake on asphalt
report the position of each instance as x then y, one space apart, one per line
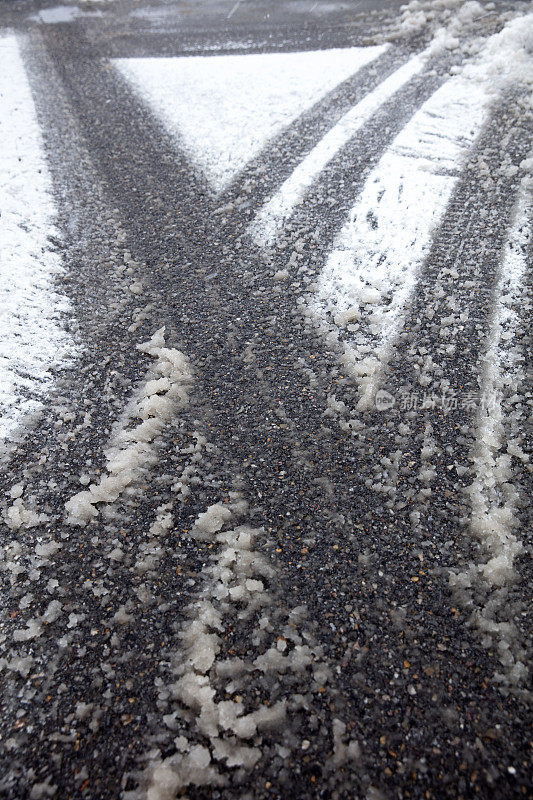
224 109
32 340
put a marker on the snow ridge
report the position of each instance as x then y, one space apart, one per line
493 497
236 589
132 449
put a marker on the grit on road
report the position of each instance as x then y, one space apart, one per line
265 399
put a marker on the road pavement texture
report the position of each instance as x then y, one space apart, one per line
266 282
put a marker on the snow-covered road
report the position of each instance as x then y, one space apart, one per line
32 339
265 299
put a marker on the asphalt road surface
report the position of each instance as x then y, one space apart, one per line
265 279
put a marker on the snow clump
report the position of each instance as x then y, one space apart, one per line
132 449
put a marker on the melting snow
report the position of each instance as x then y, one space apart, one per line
132 449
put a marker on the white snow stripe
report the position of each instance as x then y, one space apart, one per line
493 497
270 219
31 338
370 275
224 109
236 587
234 580
493 520
132 449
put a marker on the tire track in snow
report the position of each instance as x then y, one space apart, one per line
496 536
192 249
371 274
54 589
263 340
99 288
453 308
493 517
290 653
239 103
494 496
124 619
88 80
315 224
211 730
283 154
54 626
268 222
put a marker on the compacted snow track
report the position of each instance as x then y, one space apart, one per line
241 558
